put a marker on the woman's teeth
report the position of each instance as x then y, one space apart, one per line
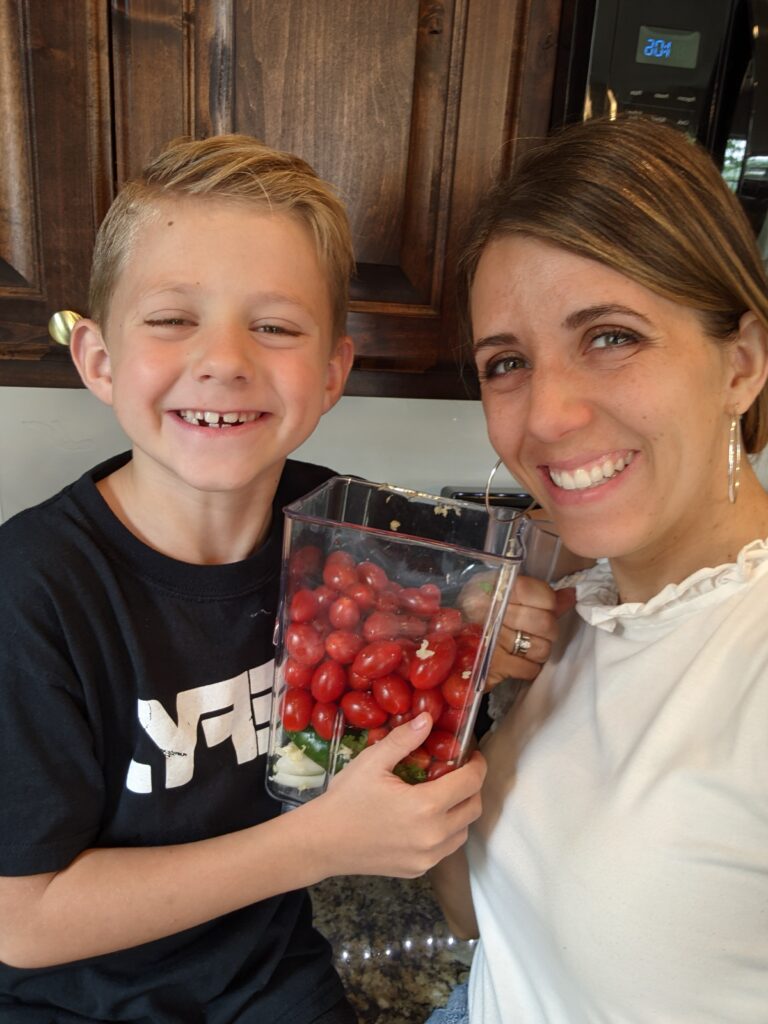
216 419
581 479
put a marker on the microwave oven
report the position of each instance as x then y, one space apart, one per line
700 65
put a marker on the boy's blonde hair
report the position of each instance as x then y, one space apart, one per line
641 198
230 167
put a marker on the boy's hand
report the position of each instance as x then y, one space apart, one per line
373 823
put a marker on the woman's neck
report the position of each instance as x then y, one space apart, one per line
730 527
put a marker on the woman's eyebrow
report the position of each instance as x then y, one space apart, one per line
494 341
587 315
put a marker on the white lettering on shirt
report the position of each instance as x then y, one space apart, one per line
235 710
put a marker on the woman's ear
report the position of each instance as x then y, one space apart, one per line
89 354
748 360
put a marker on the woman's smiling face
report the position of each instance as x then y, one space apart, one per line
608 402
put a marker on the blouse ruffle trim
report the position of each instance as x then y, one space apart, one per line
597 596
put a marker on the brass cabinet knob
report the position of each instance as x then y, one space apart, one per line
60 325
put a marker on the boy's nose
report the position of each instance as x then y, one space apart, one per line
224 355
559 402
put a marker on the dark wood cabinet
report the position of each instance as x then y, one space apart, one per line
411 108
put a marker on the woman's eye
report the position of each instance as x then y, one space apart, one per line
613 338
501 366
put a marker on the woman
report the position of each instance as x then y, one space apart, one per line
619 322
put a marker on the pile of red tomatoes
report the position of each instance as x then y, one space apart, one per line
359 644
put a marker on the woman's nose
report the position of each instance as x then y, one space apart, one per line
559 402
224 354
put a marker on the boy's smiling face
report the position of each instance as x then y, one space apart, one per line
219 358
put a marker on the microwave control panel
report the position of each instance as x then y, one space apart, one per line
658 58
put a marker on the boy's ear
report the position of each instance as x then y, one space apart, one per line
337 372
89 354
748 365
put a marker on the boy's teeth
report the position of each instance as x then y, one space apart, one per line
199 418
580 479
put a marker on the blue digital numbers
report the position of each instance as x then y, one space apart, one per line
661 49
667 47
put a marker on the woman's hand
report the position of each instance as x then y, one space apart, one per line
529 628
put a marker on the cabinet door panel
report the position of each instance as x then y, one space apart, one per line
54 181
410 108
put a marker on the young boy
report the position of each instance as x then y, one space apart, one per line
147 876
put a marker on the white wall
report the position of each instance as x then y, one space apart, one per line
49 436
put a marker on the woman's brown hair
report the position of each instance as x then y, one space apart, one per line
643 199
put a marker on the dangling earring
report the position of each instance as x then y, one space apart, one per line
734 459
499 462
488 487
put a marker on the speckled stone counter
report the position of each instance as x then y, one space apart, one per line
393 950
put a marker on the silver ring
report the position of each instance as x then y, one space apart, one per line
522 644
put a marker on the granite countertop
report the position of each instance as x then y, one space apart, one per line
395 955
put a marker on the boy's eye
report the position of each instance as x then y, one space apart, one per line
167 321
615 337
276 329
501 366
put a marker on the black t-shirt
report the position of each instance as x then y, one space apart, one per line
135 707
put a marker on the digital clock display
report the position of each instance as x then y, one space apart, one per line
667 46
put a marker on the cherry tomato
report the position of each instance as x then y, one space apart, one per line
323 719
418 757
325 597
409 649
437 769
466 655
361 710
447 620
358 682
374 735
387 601
443 746
381 626
305 562
424 600
343 646
296 709
456 688
303 606
304 644
452 719
296 675
428 700
472 631
395 720
373 575
412 627
329 681
339 571
393 694
378 659
433 662
344 613
363 595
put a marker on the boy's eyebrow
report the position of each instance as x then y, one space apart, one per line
184 288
